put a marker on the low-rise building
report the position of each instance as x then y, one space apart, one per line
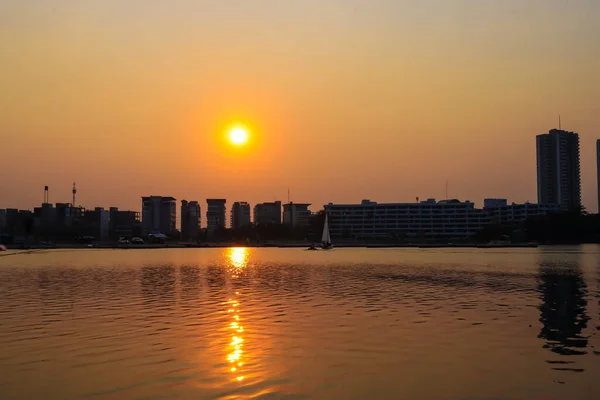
430 219
45 219
124 223
2 220
19 223
501 212
95 223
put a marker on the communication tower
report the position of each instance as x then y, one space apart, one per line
74 193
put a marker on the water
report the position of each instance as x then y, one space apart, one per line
287 323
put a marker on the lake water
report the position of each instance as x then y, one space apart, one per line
286 323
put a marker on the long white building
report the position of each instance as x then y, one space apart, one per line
501 212
430 218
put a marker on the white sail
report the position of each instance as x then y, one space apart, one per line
326 238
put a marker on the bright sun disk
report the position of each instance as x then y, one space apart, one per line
238 135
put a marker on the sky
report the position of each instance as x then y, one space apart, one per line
345 99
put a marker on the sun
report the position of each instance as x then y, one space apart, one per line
238 135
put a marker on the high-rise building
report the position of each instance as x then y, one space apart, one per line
159 215
267 213
296 215
240 215
215 215
190 220
558 175
598 170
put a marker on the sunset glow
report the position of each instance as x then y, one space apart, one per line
379 89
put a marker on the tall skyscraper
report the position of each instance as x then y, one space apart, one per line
215 215
267 213
558 175
159 215
190 220
240 215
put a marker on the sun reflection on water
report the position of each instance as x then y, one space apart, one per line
236 345
238 256
237 259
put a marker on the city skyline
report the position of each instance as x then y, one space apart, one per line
401 97
549 197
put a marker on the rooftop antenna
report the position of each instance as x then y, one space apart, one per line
74 192
559 127
46 195
288 195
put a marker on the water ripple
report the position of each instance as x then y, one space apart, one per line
283 323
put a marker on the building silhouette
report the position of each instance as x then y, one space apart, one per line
558 174
190 220
60 221
501 212
430 218
598 170
95 223
240 214
267 213
45 219
297 215
215 216
18 225
124 223
159 215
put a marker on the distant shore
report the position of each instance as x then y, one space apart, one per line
275 245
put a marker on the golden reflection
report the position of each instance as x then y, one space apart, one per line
236 345
237 258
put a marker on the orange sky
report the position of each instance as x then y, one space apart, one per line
347 99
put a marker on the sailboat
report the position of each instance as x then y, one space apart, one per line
326 238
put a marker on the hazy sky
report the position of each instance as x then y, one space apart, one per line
347 99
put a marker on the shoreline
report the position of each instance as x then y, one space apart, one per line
270 245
